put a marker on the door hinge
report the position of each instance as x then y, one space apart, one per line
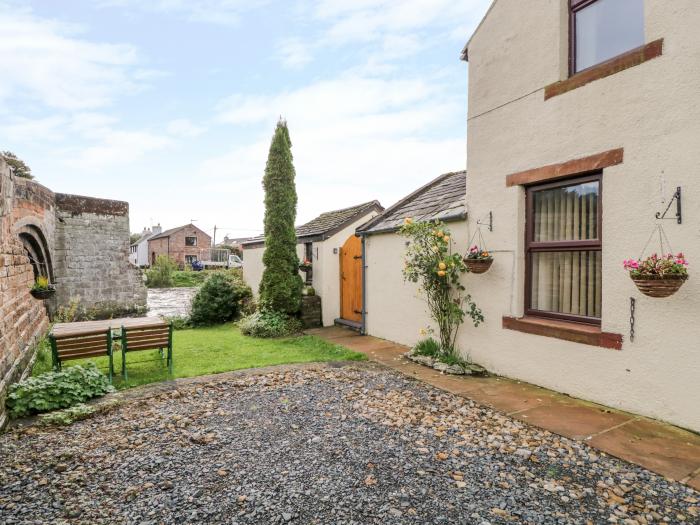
357 257
357 311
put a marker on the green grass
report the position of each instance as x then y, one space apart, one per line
202 351
189 279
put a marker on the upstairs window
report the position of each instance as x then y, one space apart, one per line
190 241
604 29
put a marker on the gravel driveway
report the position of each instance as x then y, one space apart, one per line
320 444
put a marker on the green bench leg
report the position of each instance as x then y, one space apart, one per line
55 361
124 376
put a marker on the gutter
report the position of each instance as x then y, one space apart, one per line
391 229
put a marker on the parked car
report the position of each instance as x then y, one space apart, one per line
197 266
234 261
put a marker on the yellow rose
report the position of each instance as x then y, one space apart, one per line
441 273
440 233
446 238
442 266
407 220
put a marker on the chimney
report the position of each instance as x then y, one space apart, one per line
157 229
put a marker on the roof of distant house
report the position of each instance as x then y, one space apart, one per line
327 223
168 233
443 198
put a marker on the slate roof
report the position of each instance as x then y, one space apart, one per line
168 233
443 199
327 223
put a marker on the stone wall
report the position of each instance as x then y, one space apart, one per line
91 257
23 319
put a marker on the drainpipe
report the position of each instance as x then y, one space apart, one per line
363 329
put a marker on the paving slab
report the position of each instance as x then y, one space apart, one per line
659 447
654 446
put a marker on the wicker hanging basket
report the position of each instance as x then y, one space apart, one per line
665 287
42 294
478 265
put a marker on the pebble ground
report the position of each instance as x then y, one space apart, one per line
329 445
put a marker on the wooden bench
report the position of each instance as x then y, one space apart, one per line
154 337
80 346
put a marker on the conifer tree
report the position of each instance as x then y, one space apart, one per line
281 284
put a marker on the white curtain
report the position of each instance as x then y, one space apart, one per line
566 282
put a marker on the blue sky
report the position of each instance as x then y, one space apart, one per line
170 104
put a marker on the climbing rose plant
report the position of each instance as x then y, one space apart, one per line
429 261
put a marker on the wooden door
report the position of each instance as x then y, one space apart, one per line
351 280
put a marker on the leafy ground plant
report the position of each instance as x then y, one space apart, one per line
429 347
52 390
266 324
67 416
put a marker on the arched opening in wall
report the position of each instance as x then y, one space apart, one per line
36 248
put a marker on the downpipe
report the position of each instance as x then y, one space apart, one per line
363 328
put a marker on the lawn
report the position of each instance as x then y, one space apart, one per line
202 351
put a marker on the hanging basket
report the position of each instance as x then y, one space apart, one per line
664 287
43 294
478 265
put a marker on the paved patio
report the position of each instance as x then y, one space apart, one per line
659 447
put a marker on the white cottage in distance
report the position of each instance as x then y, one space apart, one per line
138 251
329 243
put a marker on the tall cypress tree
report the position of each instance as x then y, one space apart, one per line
281 284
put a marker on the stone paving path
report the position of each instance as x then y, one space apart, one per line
659 447
170 302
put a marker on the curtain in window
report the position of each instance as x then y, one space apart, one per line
567 282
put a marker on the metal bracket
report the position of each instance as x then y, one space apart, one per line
490 223
677 197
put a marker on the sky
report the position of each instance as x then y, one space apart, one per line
171 104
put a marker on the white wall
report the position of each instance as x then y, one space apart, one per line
395 309
653 112
253 266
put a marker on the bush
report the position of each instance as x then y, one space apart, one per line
219 300
189 278
269 324
160 275
52 390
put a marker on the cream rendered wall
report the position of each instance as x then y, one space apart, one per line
653 112
395 309
253 266
327 269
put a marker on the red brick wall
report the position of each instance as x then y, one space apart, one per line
23 319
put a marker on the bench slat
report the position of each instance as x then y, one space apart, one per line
82 354
85 348
77 343
146 346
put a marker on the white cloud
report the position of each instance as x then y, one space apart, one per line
44 61
184 128
294 53
220 12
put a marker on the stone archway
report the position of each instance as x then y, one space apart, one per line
37 249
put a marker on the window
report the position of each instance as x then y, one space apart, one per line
190 241
189 259
563 278
603 29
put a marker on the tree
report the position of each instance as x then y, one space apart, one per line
281 284
19 167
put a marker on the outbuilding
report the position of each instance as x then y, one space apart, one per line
334 256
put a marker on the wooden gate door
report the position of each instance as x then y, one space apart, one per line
351 280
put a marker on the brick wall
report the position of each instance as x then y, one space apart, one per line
91 253
23 319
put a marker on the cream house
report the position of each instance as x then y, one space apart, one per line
583 120
329 243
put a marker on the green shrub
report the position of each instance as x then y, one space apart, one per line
160 275
179 323
429 347
68 415
52 390
189 278
219 299
269 324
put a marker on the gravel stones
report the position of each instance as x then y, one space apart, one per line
352 445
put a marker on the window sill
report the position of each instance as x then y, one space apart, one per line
566 330
614 65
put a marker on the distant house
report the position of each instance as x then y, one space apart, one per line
329 243
232 242
138 251
184 245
